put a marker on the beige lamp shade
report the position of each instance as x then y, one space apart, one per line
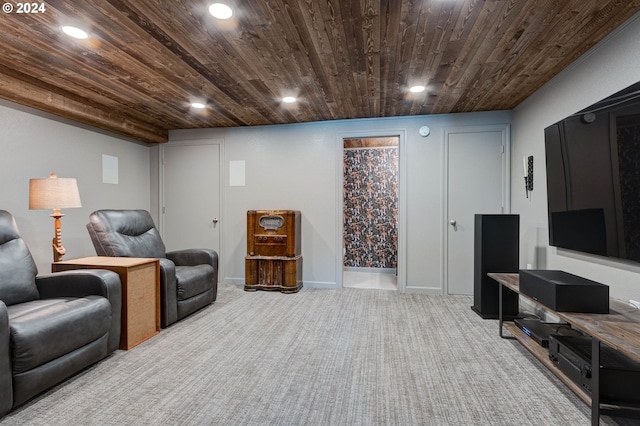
53 193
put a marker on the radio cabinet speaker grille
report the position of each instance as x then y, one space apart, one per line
274 259
273 233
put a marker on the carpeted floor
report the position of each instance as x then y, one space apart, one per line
318 357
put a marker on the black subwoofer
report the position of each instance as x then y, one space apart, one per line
497 249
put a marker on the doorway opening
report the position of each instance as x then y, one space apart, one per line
370 212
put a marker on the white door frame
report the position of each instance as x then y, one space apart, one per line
505 130
402 199
161 188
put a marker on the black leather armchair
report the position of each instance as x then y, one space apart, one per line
188 278
53 325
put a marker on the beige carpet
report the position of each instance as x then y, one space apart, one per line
319 357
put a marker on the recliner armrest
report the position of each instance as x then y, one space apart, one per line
168 293
84 282
193 257
6 386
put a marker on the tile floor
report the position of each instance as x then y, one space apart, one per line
370 280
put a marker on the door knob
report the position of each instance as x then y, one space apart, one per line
452 222
215 220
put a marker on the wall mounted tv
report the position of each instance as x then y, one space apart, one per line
593 178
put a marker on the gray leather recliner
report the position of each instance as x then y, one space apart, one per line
188 278
52 325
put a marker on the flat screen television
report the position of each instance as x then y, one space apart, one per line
593 178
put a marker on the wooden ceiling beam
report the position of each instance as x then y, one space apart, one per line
30 92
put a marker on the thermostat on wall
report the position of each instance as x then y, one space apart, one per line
424 131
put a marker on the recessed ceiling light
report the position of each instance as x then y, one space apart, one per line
198 105
75 32
417 89
288 99
220 11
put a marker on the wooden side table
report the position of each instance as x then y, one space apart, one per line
140 278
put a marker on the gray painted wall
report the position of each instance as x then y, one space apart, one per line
34 144
610 66
299 167
289 166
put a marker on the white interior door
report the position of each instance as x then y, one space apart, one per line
476 185
191 209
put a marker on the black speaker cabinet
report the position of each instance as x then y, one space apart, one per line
496 249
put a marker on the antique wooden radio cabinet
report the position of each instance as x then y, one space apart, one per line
274 258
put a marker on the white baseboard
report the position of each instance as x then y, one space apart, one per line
423 290
309 284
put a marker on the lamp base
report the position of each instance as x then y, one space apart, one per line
58 250
56 243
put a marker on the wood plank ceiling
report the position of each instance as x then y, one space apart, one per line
145 61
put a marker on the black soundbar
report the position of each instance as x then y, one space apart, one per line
564 292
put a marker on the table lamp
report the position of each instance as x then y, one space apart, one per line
54 193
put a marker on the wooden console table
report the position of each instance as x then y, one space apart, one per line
620 329
140 279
